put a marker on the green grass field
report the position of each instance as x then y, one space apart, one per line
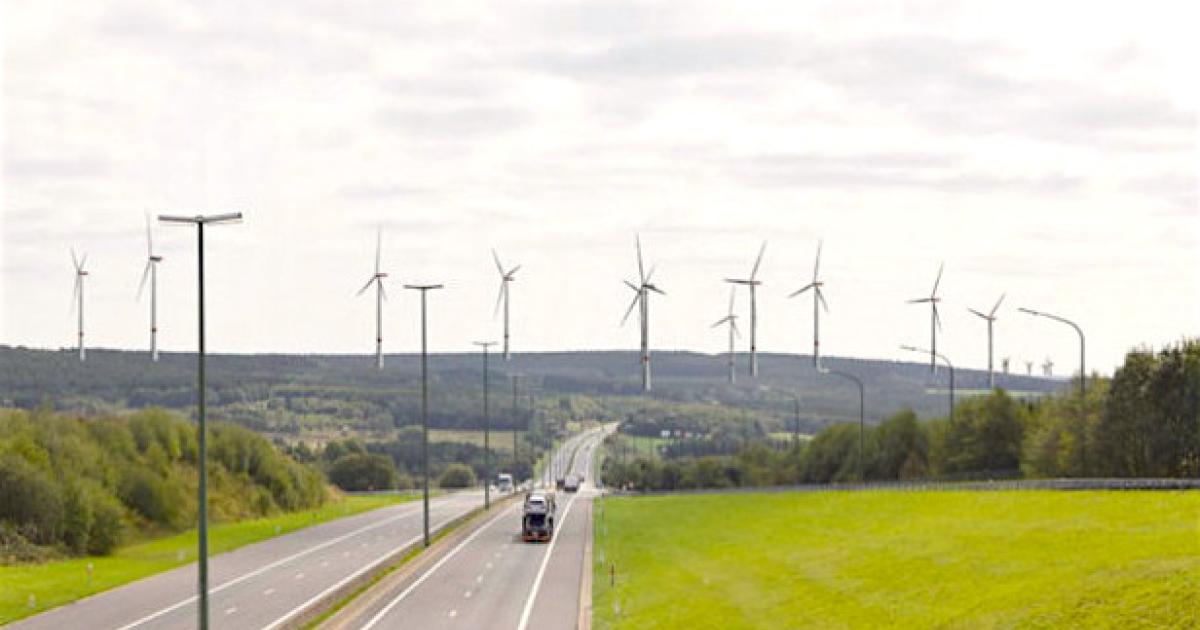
891 559
500 441
60 582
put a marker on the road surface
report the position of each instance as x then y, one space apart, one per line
262 585
492 579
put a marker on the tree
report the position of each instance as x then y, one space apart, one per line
361 472
985 437
897 449
457 476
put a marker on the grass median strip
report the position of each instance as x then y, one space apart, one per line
880 559
28 589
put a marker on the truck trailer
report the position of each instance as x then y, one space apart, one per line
537 517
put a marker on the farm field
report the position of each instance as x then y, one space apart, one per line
61 581
894 559
501 440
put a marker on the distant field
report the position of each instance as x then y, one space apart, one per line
880 559
501 441
60 582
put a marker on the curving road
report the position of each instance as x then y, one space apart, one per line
492 579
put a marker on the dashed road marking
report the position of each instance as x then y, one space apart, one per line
299 576
231 610
268 591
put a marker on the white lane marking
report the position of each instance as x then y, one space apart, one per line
489 565
242 578
537 581
467 594
324 564
345 554
299 576
479 579
425 576
231 610
371 565
453 614
268 591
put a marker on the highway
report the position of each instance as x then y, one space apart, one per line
493 580
262 585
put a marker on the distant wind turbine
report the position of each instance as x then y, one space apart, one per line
1048 367
818 301
505 278
990 318
1029 368
752 282
77 297
731 319
151 273
642 301
380 296
1004 364
935 321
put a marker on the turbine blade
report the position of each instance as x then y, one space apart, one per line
997 306
75 294
936 317
74 259
378 246
817 265
720 321
496 257
149 237
799 291
737 332
920 301
513 270
732 298
632 304
821 297
366 286
978 313
641 270
499 298
758 261
145 276
630 285
83 262
650 287
938 281
382 291
650 275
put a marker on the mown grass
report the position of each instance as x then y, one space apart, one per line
889 559
500 441
55 583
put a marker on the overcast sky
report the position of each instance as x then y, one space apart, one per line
1044 149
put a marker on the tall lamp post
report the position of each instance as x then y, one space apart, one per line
862 414
487 451
1082 378
796 427
424 289
948 364
201 427
516 425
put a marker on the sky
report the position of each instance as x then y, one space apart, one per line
1043 150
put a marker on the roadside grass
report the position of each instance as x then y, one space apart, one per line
890 559
60 582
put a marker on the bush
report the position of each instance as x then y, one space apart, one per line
457 476
359 472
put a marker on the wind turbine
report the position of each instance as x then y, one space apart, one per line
1048 367
380 296
151 273
752 283
502 296
990 318
642 300
935 321
818 297
731 319
77 297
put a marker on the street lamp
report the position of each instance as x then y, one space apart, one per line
948 364
200 221
862 414
487 452
1082 378
516 460
424 289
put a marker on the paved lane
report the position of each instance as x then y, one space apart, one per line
261 585
492 579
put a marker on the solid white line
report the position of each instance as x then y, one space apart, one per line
537 582
406 508
411 587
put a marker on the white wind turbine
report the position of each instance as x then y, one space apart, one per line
380 296
77 297
752 282
642 300
505 278
818 297
151 273
935 321
990 318
731 319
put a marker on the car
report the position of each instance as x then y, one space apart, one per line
571 484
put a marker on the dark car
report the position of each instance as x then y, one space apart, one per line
571 484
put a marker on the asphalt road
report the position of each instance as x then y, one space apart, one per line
492 579
262 585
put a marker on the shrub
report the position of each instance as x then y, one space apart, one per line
457 476
358 472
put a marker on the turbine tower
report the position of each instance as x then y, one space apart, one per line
1048 368
151 273
505 278
990 318
380 296
731 319
1029 368
818 300
753 284
1004 364
77 297
935 321
642 300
